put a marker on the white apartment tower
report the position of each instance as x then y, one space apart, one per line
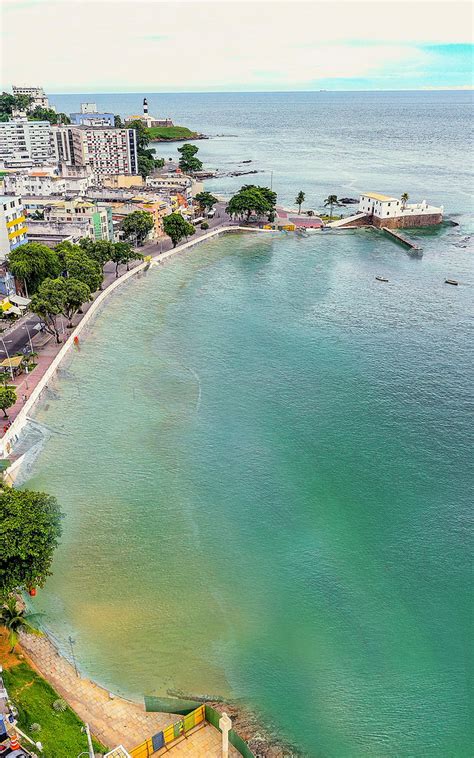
25 143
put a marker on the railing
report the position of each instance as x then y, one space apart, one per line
170 734
200 715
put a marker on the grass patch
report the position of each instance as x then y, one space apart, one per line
60 733
170 133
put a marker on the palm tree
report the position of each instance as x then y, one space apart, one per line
404 199
16 620
299 200
331 200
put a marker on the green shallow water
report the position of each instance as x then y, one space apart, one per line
263 458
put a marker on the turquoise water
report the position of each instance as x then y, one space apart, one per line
264 460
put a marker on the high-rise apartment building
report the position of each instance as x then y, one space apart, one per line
106 149
26 143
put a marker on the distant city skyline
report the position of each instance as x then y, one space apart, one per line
124 46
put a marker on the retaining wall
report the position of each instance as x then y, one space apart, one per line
10 438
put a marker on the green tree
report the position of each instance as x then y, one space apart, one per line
79 265
299 200
32 263
99 250
404 199
48 303
48 114
118 123
15 620
146 165
143 137
9 103
177 228
137 225
331 200
252 199
75 294
7 398
37 215
188 161
123 253
206 200
30 527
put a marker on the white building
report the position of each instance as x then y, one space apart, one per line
37 93
45 181
106 149
25 143
13 229
384 210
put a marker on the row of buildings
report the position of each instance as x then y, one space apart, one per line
63 182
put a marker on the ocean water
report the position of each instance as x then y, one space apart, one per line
264 458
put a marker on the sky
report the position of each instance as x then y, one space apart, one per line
173 46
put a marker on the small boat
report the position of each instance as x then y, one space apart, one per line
451 281
381 278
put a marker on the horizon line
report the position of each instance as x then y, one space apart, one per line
462 88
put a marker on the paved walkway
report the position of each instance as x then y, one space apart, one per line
113 721
204 742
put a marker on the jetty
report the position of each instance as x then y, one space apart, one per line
400 238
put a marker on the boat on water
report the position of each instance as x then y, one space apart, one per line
451 281
381 278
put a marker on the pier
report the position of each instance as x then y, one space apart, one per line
399 237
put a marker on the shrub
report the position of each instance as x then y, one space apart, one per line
60 705
204 225
35 728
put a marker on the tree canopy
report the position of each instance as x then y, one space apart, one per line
48 303
7 398
81 266
30 527
331 200
9 103
48 114
99 250
252 199
122 254
137 225
33 262
16 620
188 161
176 227
206 200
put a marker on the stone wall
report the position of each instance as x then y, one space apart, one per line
404 222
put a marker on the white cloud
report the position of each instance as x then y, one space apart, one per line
92 45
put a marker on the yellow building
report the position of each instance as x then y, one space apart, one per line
13 229
122 181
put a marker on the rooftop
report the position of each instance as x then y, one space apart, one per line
378 196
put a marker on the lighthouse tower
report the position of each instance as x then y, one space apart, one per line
145 106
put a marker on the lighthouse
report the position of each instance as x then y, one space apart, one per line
145 106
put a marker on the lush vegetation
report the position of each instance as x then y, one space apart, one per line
250 199
7 398
60 733
188 161
30 264
9 103
137 225
206 201
30 527
165 133
177 228
147 162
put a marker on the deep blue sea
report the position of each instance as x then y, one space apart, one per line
264 455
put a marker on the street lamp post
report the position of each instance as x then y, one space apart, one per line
29 337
